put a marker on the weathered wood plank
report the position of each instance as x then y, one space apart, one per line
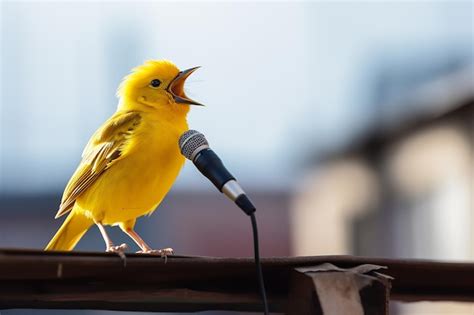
78 280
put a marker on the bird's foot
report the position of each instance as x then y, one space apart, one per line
165 252
116 249
119 250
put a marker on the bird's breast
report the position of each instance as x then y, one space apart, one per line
138 182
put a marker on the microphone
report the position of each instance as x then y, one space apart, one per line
194 146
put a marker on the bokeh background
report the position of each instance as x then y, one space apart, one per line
349 123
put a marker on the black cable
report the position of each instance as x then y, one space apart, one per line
258 265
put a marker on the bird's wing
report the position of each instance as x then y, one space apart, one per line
106 146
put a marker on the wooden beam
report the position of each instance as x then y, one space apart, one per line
82 280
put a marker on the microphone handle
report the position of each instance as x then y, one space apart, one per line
211 166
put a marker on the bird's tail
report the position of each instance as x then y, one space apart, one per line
66 238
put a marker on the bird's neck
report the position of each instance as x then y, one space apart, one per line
174 113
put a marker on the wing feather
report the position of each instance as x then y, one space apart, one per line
104 148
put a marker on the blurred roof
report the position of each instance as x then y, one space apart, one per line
446 96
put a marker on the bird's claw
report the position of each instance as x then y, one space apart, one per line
119 250
164 253
116 249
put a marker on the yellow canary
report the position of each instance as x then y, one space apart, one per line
131 161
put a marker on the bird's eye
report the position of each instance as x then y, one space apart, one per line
155 83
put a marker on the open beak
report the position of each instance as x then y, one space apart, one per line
176 88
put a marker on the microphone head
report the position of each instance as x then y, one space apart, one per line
191 143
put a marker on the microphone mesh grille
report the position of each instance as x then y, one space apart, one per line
190 141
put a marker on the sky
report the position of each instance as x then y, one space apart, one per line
281 81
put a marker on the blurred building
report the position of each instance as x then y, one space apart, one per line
403 190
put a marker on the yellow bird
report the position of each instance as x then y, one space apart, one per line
131 161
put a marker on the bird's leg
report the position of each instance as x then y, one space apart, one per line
110 247
145 249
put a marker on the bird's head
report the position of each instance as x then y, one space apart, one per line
157 84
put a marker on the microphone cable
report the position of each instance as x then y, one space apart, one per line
258 264
194 146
